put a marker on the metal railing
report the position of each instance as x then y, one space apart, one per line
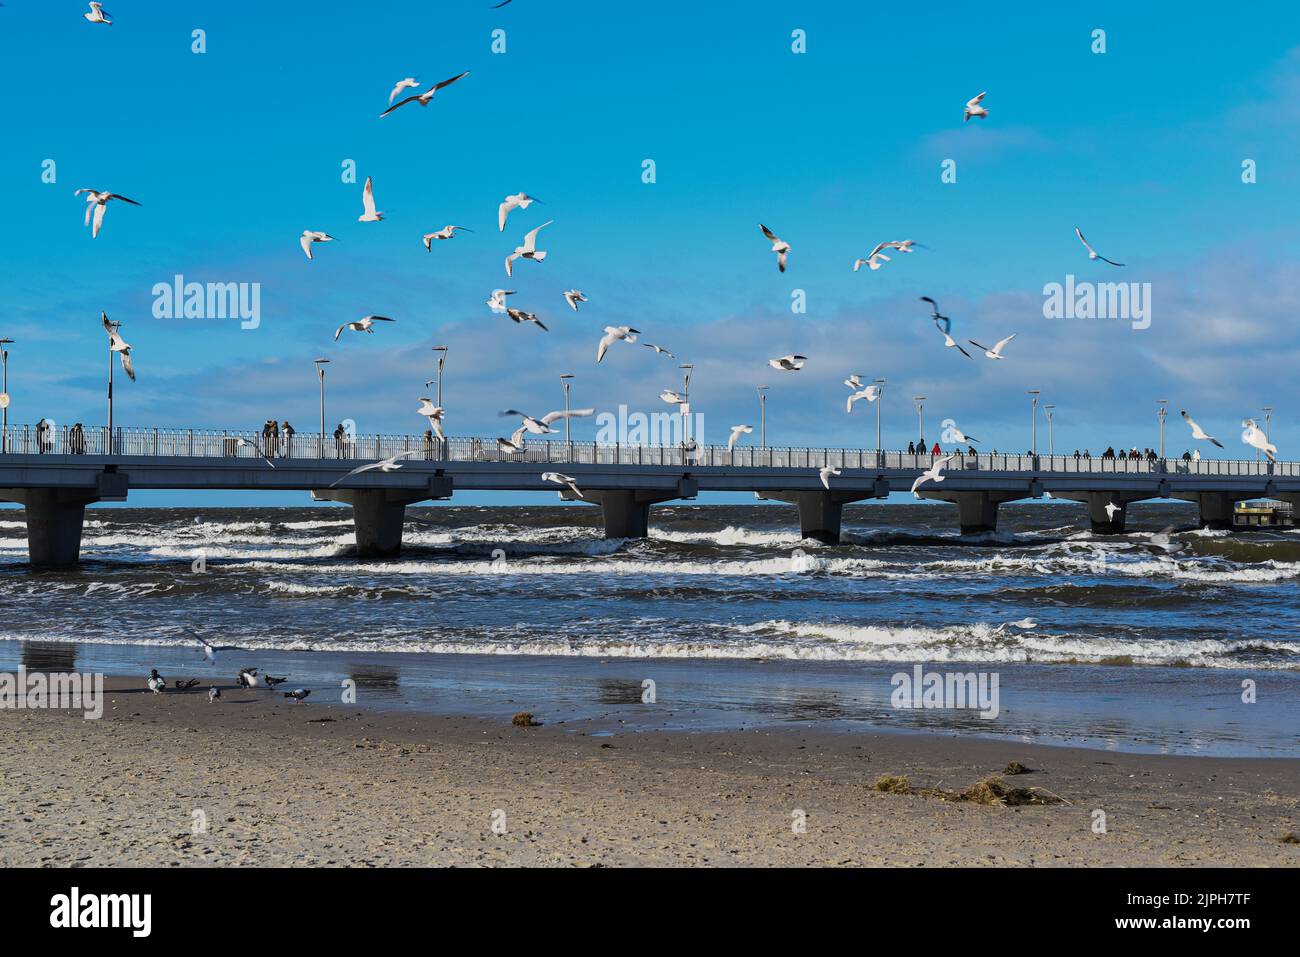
226 443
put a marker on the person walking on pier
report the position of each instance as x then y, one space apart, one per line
338 442
270 438
44 442
77 440
286 430
936 451
428 444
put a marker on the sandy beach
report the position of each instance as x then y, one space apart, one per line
279 783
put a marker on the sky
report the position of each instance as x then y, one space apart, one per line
234 151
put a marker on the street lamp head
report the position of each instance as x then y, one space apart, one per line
6 342
566 375
439 348
320 361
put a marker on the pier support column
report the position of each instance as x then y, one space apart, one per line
55 517
379 514
821 513
626 512
977 512
1216 509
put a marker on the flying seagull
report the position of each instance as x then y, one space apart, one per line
779 246
874 262
871 393
97 14
612 335
957 435
949 341
671 397
447 232
247 444
119 345
210 650
364 324
1026 624
996 351
391 464
1255 438
434 413
559 478
659 349
368 202
1111 509
573 297
974 109
96 202
423 98
520 200
825 475
408 84
542 426
310 236
932 474
788 363
1092 253
529 248
518 315
497 302
854 381
1198 432
736 432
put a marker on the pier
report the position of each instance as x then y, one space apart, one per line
57 477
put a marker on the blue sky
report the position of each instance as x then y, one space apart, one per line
235 151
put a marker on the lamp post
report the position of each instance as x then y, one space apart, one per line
1268 420
1051 439
115 327
1161 412
1033 430
880 401
919 400
568 442
686 405
4 394
442 361
320 374
762 416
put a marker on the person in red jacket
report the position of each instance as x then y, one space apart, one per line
936 450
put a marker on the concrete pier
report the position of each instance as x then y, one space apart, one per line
626 512
821 514
379 514
1216 508
56 516
977 512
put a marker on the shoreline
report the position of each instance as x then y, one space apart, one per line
281 783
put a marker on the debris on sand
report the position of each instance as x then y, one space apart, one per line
1289 838
524 719
893 784
991 792
1015 767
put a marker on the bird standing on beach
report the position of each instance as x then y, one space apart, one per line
247 678
421 98
272 682
779 246
1198 432
214 694
96 203
156 682
298 694
185 685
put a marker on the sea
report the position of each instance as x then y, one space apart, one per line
1165 639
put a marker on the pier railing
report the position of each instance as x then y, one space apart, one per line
225 443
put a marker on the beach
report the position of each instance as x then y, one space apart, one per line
281 783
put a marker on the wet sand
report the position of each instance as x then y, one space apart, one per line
278 784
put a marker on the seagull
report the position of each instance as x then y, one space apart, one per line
671 397
573 297
368 201
513 444
391 464
310 236
365 324
996 351
247 444
298 694
97 14
854 381
935 314
97 201
1111 509
272 682
156 682
973 108
1198 432
825 475
408 84
1024 623
736 432
447 232
185 685
874 261
949 341
612 335
423 98
214 694
779 246
1252 436
529 249
932 474
433 413
788 363
959 436
497 302
119 345
871 393
903 245
542 426
518 315
1092 253
559 478
659 349
520 200
210 650
247 678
